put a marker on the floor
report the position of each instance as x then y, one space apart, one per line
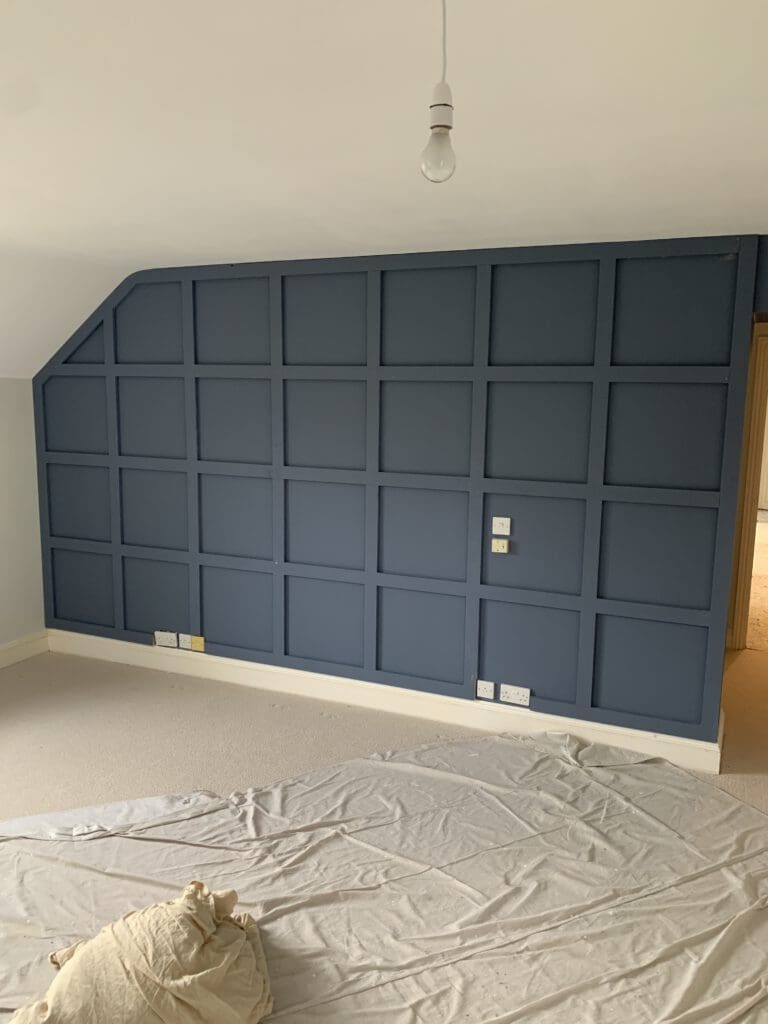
75 731
757 631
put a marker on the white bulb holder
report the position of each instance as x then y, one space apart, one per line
441 107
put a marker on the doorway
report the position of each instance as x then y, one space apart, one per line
748 619
757 627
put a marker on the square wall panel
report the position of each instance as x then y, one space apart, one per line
234 420
324 620
148 325
421 634
152 417
325 423
154 508
666 435
232 320
423 532
426 427
657 554
538 431
156 595
75 411
674 311
91 350
236 608
530 646
544 313
643 667
428 317
546 546
78 502
324 319
236 516
325 524
82 587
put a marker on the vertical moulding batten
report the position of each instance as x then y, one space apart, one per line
277 348
475 512
598 430
191 428
372 450
115 483
43 501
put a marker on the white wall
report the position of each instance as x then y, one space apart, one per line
21 596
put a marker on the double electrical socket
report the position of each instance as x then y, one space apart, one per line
186 641
515 694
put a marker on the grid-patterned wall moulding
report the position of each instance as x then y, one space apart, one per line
302 462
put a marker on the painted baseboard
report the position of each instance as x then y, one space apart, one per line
25 647
697 755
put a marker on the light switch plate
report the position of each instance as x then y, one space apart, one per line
499 545
515 694
164 638
191 642
485 689
501 526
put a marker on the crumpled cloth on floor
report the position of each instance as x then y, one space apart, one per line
179 962
491 880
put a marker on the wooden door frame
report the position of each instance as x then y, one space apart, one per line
749 488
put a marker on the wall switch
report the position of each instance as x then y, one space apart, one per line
163 638
500 546
501 526
191 642
485 689
515 694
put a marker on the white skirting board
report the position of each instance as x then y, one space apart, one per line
25 647
698 755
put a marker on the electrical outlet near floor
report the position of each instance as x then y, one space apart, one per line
485 689
164 638
515 694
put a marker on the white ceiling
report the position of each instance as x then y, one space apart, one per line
160 132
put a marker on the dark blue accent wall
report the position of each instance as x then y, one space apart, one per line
301 461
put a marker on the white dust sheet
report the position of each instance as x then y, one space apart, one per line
488 881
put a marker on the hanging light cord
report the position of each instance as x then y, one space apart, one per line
445 40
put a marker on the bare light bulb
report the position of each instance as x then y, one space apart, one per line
438 161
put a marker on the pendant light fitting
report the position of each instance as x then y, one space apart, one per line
438 161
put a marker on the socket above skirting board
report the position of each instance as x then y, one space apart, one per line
485 715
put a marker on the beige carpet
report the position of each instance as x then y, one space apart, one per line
74 731
757 630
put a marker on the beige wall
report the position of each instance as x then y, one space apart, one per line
21 598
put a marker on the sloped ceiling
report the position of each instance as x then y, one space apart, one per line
188 131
